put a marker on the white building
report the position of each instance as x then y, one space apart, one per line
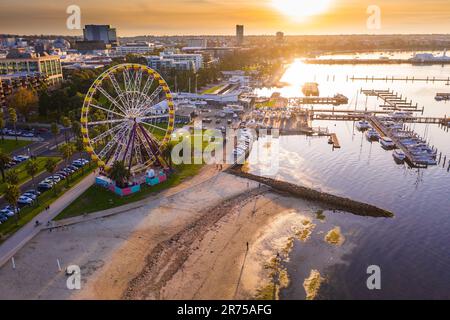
197 43
179 61
196 58
135 48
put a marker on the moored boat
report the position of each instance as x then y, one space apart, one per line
399 156
363 125
372 135
387 143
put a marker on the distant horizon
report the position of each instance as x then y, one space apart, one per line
219 17
233 35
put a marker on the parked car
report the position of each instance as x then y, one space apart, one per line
68 171
44 186
74 168
25 200
30 195
21 158
6 212
35 192
62 173
78 163
28 134
3 218
12 209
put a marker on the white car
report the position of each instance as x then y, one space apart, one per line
84 161
28 135
55 179
6 212
30 195
24 200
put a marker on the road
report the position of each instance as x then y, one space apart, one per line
28 231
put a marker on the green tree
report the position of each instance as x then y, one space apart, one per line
67 124
23 100
4 160
79 147
2 124
67 150
54 129
119 173
167 153
50 167
12 194
76 128
13 118
12 177
32 168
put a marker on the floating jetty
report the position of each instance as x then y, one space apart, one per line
337 100
392 101
442 96
405 79
418 153
334 140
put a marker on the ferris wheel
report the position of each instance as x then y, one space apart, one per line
128 115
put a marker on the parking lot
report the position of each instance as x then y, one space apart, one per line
45 182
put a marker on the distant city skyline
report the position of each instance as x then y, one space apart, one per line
219 17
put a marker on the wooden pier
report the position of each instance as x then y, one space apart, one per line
354 116
413 160
393 101
337 100
405 79
335 141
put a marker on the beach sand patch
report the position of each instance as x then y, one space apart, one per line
312 284
335 237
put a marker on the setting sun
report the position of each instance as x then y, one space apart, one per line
301 9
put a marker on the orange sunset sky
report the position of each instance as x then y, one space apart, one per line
197 17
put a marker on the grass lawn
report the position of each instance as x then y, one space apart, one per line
97 198
22 173
9 146
212 90
46 199
269 104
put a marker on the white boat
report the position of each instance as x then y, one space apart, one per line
372 135
399 156
387 143
363 125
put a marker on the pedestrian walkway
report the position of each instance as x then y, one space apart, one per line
28 231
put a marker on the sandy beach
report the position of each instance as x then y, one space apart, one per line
216 236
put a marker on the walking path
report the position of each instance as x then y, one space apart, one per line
28 231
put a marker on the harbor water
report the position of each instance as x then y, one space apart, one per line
413 248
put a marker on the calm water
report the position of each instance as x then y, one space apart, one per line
412 249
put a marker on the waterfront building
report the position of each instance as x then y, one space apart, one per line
20 62
102 33
135 48
279 37
178 61
86 46
239 34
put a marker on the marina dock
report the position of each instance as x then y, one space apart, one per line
392 101
337 100
402 139
335 141
405 79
